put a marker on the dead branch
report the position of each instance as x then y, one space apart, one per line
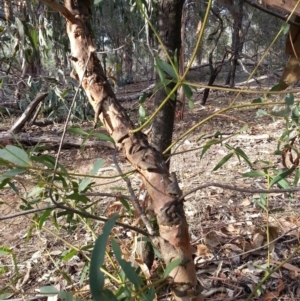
17 126
52 140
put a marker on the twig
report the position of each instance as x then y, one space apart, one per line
229 187
134 199
113 195
25 212
252 3
81 213
102 219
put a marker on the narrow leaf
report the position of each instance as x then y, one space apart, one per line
223 161
15 155
96 277
97 165
254 174
241 153
44 217
172 265
103 137
281 175
77 130
187 91
126 266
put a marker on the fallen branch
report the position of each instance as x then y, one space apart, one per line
53 140
148 91
17 126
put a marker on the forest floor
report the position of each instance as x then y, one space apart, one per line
229 229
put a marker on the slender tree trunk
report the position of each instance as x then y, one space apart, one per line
169 21
173 229
237 45
7 10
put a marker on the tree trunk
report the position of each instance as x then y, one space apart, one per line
173 229
169 20
7 10
237 45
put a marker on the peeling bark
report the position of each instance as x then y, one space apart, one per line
173 229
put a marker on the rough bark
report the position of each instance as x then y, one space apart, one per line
170 32
173 229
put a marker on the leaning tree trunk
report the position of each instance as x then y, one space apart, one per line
173 237
169 21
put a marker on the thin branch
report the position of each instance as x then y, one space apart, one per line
134 199
102 219
25 212
69 209
112 195
252 3
229 187
65 127
61 9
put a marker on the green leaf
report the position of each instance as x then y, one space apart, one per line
69 255
33 36
44 217
172 265
97 165
258 100
289 99
167 68
49 290
223 161
281 175
241 153
191 104
97 2
13 172
142 98
103 137
297 177
142 112
168 92
15 155
126 266
254 174
278 87
176 59
7 251
187 91
84 184
208 145
67 296
77 130
295 114
160 71
96 276
285 28
261 112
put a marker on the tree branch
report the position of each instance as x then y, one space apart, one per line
229 187
61 9
270 12
69 209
